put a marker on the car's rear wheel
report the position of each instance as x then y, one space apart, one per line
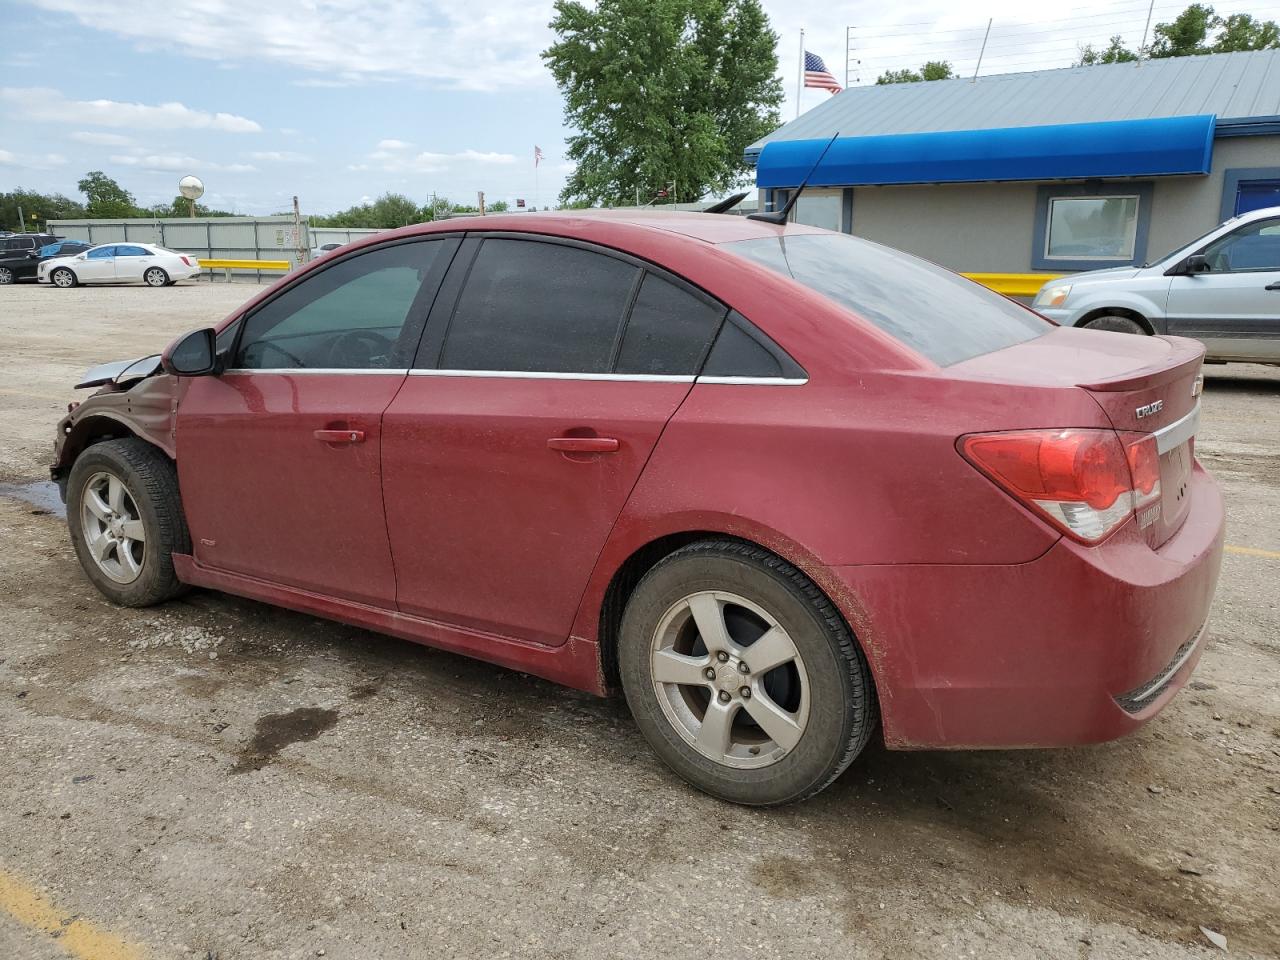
1116 324
742 675
62 277
126 521
155 277
6 275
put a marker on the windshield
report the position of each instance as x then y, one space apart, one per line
934 311
1191 245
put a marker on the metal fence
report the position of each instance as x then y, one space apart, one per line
323 235
209 238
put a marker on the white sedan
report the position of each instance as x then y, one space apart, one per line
119 263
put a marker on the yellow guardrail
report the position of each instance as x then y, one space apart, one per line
1013 284
284 265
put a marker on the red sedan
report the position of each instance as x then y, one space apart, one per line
783 486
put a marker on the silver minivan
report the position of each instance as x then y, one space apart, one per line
1222 289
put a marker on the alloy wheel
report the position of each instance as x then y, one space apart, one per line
730 679
62 278
113 528
156 277
6 275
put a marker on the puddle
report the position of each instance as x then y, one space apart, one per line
41 494
276 731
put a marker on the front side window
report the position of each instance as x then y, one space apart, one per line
1092 228
935 312
102 253
1254 248
534 307
354 314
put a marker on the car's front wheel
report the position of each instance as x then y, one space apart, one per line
6 275
742 675
125 516
1116 324
156 277
62 277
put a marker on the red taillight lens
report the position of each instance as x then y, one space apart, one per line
1086 482
187 261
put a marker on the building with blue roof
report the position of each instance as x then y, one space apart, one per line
1050 171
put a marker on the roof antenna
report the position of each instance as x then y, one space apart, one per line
727 204
780 216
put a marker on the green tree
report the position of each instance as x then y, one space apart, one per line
662 91
498 206
1185 36
933 70
106 197
1114 52
1240 31
45 206
389 210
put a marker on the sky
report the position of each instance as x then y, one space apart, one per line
338 101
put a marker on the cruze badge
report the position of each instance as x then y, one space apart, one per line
1149 409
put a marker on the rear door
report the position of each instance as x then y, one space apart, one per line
279 457
1235 306
546 376
132 261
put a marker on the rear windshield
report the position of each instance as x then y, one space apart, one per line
935 312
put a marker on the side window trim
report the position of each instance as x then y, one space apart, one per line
434 282
427 360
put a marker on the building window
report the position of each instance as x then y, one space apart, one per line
1092 228
1084 226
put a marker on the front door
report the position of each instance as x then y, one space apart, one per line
98 266
279 457
1234 307
536 400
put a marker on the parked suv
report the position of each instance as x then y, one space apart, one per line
19 255
1223 289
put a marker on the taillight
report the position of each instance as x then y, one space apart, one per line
1085 482
187 261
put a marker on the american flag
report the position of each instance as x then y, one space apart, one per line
537 154
817 75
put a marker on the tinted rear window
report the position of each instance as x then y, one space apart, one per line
935 312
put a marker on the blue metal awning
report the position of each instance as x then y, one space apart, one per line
1160 146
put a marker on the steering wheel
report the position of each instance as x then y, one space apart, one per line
369 346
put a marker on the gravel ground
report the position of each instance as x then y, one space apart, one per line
220 779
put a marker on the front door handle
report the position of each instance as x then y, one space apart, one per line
583 444
1272 286
339 436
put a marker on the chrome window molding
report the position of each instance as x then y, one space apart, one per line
543 375
1178 432
758 381
314 370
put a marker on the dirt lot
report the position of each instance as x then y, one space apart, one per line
220 779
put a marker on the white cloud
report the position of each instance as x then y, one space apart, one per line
455 45
280 156
42 103
393 145
168 162
102 139
41 161
8 158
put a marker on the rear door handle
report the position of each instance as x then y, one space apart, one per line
340 436
583 444
1272 286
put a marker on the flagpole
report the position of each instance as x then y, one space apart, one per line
800 75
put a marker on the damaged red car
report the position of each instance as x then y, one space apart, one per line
787 489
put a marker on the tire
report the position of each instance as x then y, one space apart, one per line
155 277
1116 324
6 275
63 277
136 571
826 694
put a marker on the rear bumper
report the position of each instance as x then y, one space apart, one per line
1078 646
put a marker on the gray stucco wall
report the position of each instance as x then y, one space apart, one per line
990 227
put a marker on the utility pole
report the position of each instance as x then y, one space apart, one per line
22 224
297 229
480 201
800 74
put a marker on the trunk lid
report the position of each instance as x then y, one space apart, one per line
1144 385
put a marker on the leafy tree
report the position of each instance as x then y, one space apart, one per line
1115 52
662 91
498 206
106 197
933 70
45 206
1185 36
1240 31
181 207
389 210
